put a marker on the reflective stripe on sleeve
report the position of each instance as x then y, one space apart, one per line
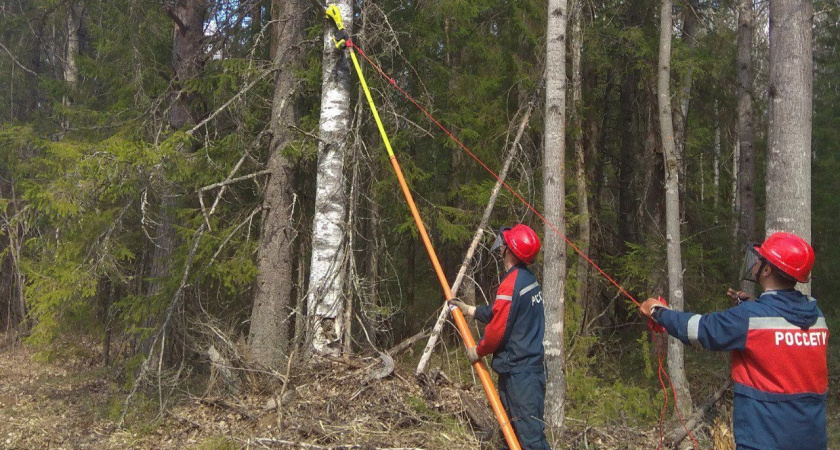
529 288
693 329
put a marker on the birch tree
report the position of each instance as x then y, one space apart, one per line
790 95
327 274
554 262
268 339
676 357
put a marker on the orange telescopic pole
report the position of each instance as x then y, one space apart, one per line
483 374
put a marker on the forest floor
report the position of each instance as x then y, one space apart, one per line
73 404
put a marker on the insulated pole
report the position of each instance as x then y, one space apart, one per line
460 322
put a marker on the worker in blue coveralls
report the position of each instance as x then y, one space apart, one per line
778 344
514 336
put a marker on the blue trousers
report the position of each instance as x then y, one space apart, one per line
523 396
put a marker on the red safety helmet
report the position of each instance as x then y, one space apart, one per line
521 240
788 253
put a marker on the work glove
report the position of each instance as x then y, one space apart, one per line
472 355
467 310
738 296
648 307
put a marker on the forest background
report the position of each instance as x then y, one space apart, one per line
162 165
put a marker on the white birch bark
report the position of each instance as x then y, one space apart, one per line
790 95
554 259
676 357
325 299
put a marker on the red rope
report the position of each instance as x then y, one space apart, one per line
659 351
393 82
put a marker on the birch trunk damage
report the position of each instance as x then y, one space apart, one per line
676 357
325 298
554 262
790 95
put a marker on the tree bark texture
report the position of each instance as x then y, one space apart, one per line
271 315
790 95
746 163
187 58
554 259
75 13
187 54
581 185
676 363
328 267
681 119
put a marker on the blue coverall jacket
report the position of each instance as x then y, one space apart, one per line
514 335
778 344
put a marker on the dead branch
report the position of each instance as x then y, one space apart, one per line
307 134
407 343
18 63
679 434
182 27
485 218
293 444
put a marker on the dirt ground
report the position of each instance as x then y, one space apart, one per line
75 405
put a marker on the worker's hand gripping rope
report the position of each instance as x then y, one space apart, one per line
648 308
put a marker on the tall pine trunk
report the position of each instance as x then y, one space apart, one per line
790 95
328 268
554 262
269 335
745 172
676 357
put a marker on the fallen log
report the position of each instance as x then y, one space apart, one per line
679 434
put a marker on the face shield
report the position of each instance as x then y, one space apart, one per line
499 243
753 264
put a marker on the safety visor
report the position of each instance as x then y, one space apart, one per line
499 239
751 260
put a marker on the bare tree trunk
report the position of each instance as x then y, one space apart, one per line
187 55
328 271
554 262
789 146
681 119
629 153
716 166
75 13
745 171
582 272
676 362
270 318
